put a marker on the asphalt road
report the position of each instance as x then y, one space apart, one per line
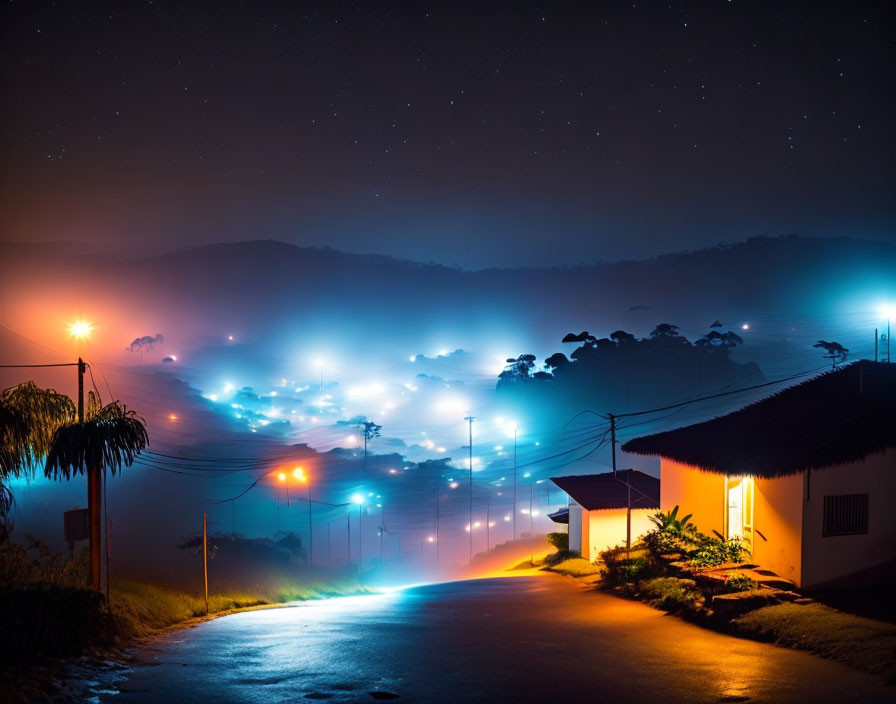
524 639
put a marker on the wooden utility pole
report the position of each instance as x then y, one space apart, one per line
470 420
108 557
94 497
613 440
514 483
628 513
205 557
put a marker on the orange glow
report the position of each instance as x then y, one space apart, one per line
299 474
80 329
172 416
281 477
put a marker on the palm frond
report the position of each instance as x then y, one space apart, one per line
29 415
111 437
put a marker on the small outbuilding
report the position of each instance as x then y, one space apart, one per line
807 476
598 508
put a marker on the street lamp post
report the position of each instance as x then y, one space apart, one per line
301 476
358 499
514 482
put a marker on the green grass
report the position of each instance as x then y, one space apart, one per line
671 594
141 608
575 567
863 643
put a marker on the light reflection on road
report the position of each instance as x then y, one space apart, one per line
531 639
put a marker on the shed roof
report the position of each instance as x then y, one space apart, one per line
600 491
835 418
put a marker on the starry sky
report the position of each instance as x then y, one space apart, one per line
480 135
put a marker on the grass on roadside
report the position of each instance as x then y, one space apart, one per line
575 567
863 643
141 608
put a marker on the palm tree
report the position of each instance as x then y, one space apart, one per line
29 415
110 437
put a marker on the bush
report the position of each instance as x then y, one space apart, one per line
671 594
559 540
625 567
48 620
714 552
739 584
561 556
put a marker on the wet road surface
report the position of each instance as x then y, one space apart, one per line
523 639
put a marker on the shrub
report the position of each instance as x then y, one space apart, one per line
671 594
739 584
624 567
559 540
713 552
560 556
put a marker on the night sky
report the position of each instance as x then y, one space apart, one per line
494 135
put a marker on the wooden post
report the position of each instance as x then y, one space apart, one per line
108 557
205 556
94 500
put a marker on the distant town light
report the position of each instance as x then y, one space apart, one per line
431 539
745 326
172 416
357 499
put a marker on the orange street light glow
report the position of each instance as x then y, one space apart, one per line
80 329
281 477
299 474
172 416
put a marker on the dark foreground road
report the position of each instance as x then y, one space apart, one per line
524 639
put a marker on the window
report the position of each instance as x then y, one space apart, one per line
845 515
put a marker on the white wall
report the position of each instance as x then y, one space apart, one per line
827 559
575 526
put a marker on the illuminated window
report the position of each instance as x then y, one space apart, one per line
846 514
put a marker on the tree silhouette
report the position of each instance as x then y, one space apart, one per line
834 351
369 430
722 341
519 368
29 415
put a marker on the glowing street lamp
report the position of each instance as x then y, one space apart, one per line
80 329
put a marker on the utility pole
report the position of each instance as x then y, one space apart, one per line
488 538
205 556
531 526
628 513
382 530
613 440
470 420
94 495
310 534
514 482
108 558
876 355
437 518
348 527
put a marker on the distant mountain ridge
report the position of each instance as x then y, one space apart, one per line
267 287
